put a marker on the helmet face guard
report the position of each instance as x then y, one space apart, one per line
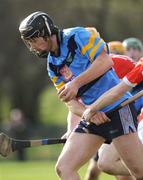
42 54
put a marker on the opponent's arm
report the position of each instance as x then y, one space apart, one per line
130 80
110 96
76 107
106 99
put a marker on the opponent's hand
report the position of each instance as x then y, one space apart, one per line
68 91
99 118
95 117
87 114
5 145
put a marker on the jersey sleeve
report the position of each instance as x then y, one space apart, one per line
122 65
90 42
135 76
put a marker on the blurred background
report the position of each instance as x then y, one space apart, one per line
28 100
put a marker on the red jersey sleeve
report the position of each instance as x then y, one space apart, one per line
122 65
136 75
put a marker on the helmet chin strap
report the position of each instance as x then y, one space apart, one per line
43 54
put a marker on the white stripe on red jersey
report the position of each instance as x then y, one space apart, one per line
136 75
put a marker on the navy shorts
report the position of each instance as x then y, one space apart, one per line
123 121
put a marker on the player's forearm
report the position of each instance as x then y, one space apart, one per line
72 121
110 96
102 64
76 107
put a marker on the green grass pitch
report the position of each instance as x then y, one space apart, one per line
35 170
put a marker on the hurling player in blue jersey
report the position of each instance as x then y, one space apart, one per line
81 70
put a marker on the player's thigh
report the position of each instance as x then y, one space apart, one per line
73 116
130 150
79 148
108 154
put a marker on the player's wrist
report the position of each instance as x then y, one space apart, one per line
78 82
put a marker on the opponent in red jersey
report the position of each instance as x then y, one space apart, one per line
136 75
132 79
122 65
134 49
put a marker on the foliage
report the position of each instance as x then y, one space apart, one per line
5 106
51 109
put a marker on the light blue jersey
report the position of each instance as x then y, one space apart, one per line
79 47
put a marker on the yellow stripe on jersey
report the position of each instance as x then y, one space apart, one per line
89 45
54 79
94 34
92 53
58 86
